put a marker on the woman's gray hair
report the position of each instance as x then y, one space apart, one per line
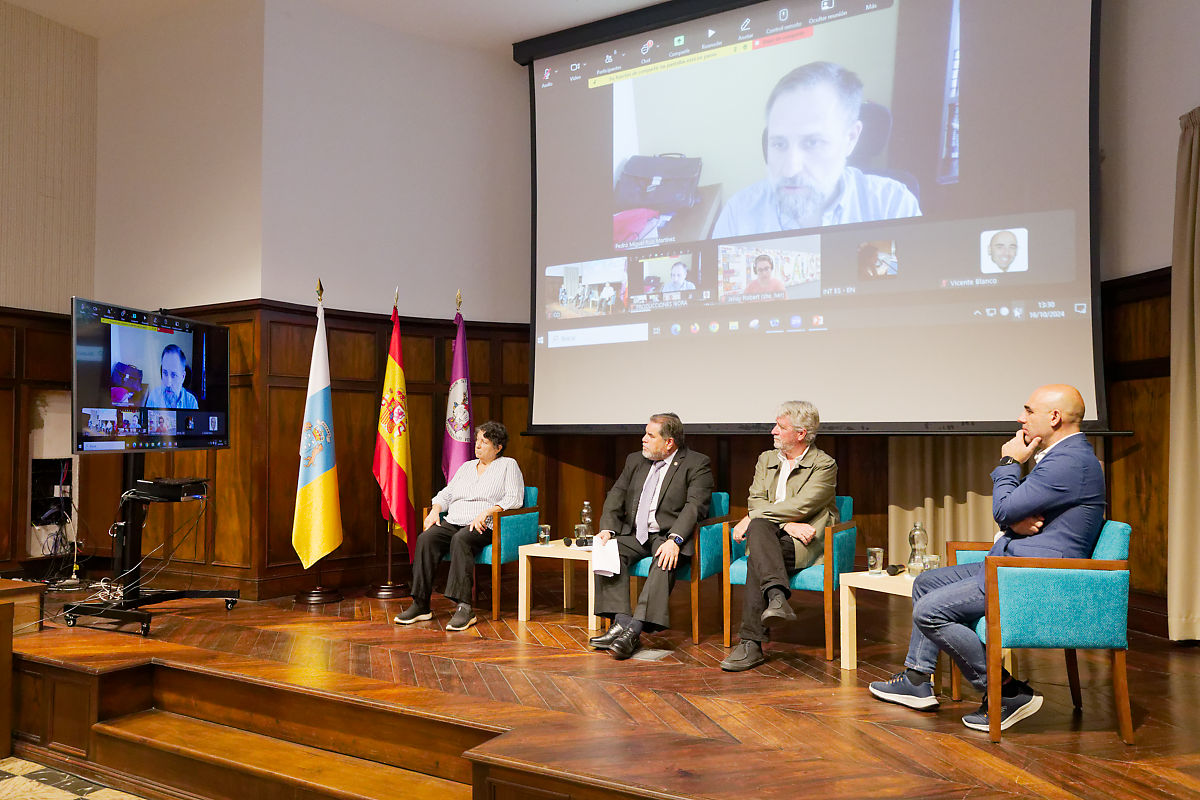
802 414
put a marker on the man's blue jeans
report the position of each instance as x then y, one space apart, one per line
947 603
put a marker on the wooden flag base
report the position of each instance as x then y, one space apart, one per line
388 591
318 595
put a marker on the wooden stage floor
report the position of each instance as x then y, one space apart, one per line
815 725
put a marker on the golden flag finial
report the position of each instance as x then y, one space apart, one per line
396 299
458 302
320 290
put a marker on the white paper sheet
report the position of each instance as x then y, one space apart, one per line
605 560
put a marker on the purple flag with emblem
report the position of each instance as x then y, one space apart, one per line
458 442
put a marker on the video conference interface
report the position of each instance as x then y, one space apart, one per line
148 381
813 166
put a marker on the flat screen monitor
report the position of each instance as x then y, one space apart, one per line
146 380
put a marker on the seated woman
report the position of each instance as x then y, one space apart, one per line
489 483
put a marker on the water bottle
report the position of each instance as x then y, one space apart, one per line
585 516
918 544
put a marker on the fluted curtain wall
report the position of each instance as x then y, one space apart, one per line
944 482
1183 504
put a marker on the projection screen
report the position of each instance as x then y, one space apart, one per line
883 207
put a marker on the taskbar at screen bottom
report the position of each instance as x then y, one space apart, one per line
139 445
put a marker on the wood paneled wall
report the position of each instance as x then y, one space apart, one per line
35 354
1137 355
243 539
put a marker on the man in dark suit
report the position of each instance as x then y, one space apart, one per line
651 510
1056 511
791 503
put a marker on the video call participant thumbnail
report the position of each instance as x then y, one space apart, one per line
764 281
679 281
812 127
1004 252
170 393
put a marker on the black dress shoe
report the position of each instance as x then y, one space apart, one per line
605 640
625 645
777 610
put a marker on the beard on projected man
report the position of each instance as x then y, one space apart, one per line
812 128
171 393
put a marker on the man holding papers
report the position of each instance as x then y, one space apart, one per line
651 510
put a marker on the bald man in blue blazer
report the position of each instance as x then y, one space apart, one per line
1054 511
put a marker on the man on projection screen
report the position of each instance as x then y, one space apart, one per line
652 510
1056 511
791 502
812 128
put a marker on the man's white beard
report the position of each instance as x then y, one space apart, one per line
801 205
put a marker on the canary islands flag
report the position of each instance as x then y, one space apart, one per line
393 462
317 529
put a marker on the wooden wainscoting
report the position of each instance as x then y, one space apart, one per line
243 539
1137 370
35 355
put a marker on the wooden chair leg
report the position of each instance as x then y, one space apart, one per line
1121 696
695 610
495 589
828 600
633 591
994 680
1073 676
1009 660
955 681
726 597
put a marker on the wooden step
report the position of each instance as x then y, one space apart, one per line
223 763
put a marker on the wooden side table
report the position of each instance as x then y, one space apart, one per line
851 582
526 554
27 604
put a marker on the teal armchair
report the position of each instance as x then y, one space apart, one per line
840 542
705 561
510 530
1061 603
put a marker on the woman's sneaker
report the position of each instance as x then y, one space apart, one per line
417 612
463 618
899 689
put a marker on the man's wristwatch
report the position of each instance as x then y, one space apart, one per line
676 538
1004 462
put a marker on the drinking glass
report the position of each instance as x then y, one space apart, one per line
543 534
875 560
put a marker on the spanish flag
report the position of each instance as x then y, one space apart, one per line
317 529
393 464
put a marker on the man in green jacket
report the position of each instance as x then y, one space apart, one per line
791 502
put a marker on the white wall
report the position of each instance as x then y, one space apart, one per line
1149 77
392 160
179 158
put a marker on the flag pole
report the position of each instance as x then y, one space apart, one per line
318 595
389 590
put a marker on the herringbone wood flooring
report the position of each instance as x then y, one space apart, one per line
797 703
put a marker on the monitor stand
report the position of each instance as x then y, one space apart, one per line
127 562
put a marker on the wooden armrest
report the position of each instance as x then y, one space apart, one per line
952 549
711 521
514 511
969 546
992 563
841 526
